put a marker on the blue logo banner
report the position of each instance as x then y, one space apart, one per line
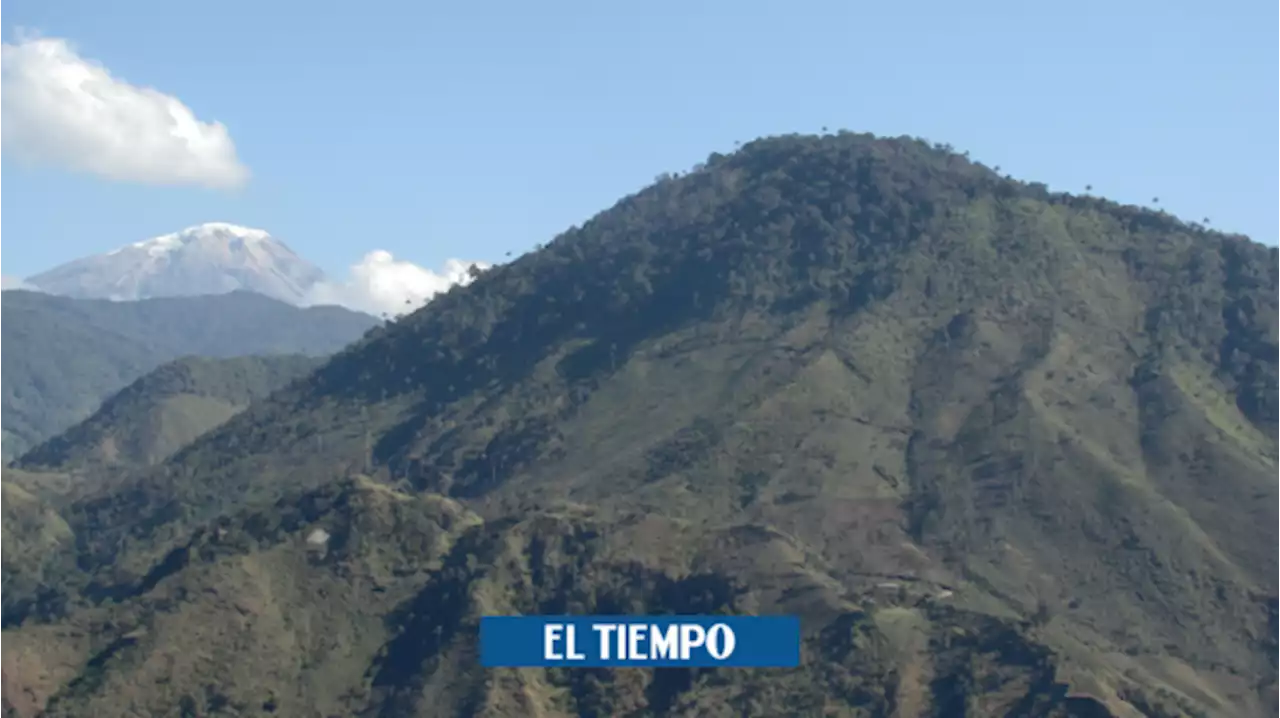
632 641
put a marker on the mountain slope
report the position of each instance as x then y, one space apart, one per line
810 369
64 356
364 601
211 258
163 411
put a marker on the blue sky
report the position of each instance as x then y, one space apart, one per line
436 130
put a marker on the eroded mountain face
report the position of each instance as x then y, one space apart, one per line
1005 452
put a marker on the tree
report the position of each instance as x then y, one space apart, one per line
1042 614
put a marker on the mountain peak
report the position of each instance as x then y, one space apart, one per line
217 232
209 258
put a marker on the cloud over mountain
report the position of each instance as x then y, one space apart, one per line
218 257
62 110
380 283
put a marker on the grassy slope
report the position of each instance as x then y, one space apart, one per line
163 411
807 373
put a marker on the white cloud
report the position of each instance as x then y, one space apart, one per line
63 110
380 284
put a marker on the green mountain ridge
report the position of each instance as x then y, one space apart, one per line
778 383
65 356
165 410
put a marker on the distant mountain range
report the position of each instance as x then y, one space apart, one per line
64 356
166 409
212 258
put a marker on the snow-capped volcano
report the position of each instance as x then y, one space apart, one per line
212 258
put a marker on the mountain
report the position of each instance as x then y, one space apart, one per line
1006 452
64 356
164 410
212 258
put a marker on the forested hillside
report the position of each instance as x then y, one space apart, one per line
168 408
1005 452
63 357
